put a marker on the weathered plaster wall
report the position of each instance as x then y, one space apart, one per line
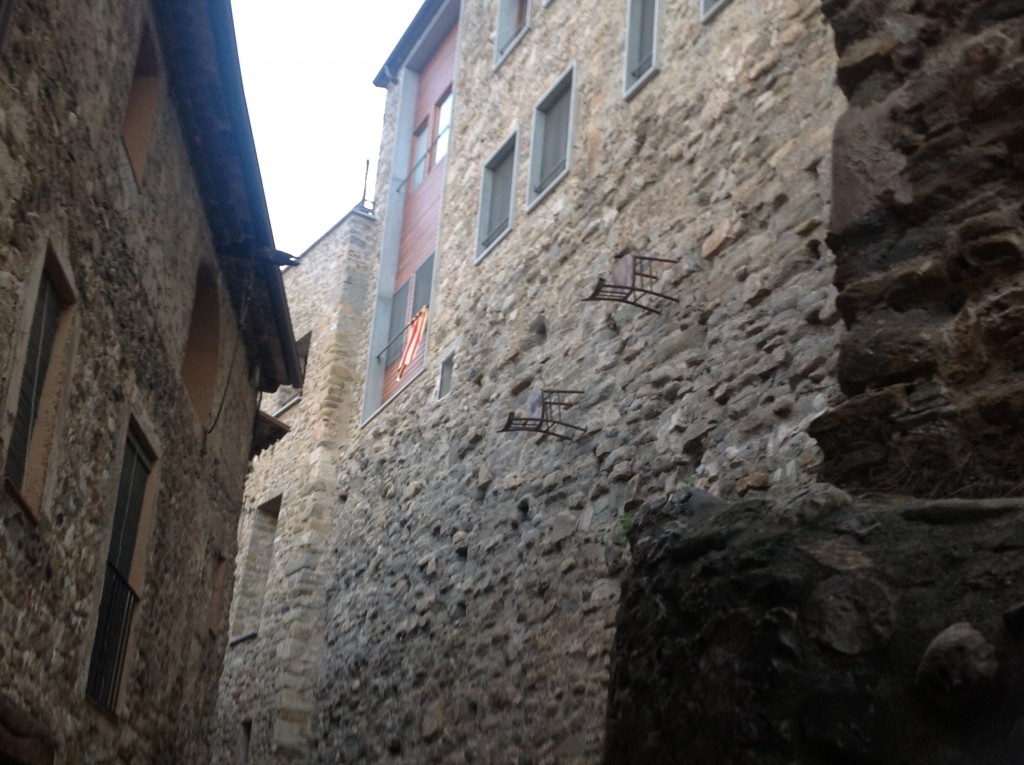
474 580
271 677
929 234
65 70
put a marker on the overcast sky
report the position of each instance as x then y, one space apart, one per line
308 68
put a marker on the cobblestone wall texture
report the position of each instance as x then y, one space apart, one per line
132 254
474 575
271 677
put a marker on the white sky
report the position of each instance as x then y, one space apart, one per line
308 68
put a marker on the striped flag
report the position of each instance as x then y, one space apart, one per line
412 342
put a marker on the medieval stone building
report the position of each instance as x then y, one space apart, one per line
428 576
141 312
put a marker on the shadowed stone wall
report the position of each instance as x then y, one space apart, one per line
131 252
276 657
474 575
821 630
928 230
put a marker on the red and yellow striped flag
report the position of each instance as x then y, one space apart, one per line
412 342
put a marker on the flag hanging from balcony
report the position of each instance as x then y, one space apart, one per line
412 342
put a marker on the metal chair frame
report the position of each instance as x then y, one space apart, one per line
630 291
547 418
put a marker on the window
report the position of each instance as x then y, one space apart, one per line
140 111
422 286
35 411
419 155
119 598
202 349
244 740
444 382
496 195
256 551
641 44
396 329
406 303
708 8
513 21
552 120
443 126
5 12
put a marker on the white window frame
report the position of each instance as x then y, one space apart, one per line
632 83
506 19
710 8
566 82
509 146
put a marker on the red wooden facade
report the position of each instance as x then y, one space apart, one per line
422 211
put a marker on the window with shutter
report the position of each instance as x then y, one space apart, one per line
496 194
552 123
513 21
641 44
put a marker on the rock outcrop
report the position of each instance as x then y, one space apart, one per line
820 630
928 232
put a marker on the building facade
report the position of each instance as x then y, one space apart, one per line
142 312
471 576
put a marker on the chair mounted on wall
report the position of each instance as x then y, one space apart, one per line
629 272
544 409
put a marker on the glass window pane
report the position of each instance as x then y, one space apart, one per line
555 140
444 124
421 288
399 304
419 155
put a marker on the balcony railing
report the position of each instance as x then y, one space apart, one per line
117 606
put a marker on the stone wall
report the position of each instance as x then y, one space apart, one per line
928 229
819 629
132 255
474 575
277 651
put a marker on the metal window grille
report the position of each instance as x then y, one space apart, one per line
37 362
118 601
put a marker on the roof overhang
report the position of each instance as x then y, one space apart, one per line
198 42
434 19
